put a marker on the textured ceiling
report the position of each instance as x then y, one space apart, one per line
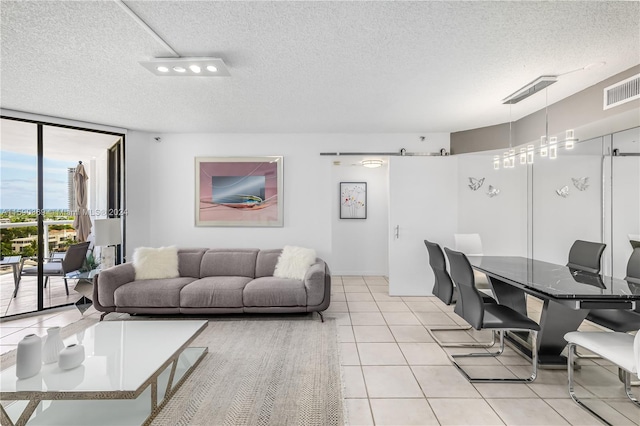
364 67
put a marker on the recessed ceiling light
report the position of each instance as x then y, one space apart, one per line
372 164
187 67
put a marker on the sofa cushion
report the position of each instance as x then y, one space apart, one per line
229 263
294 262
189 261
266 262
151 293
156 263
214 292
271 291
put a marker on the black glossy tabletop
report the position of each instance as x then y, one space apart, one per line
558 281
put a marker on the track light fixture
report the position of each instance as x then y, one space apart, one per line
187 67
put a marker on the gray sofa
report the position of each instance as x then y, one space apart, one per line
215 281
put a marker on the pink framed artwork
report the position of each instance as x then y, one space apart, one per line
239 191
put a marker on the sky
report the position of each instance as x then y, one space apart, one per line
18 181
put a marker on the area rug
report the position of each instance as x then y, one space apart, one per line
257 372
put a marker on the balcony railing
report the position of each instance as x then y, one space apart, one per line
47 223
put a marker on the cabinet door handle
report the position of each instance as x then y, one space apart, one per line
397 232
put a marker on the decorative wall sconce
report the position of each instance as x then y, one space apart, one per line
581 183
563 192
492 191
475 184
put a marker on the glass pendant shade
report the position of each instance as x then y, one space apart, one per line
553 147
512 158
544 150
569 139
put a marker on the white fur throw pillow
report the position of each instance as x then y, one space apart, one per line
294 262
156 263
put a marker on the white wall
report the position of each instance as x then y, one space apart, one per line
138 149
501 220
360 246
559 221
160 187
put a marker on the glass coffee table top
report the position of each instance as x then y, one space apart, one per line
120 356
131 369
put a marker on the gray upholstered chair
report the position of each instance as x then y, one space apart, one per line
621 349
72 261
444 290
619 319
471 245
586 256
490 316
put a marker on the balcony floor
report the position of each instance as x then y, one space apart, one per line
27 298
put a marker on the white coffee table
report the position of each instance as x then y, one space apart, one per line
131 370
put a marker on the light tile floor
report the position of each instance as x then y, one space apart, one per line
395 374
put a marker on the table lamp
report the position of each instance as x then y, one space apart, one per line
108 235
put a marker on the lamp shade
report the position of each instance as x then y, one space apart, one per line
108 232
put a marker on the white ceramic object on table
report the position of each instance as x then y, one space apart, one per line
29 356
71 357
52 346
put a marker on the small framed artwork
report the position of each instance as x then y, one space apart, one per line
353 200
239 191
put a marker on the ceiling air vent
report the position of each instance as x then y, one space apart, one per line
622 92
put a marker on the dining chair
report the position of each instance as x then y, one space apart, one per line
471 245
491 316
621 349
73 260
444 290
586 256
621 320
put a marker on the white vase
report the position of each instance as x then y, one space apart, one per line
71 357
52 346
29 356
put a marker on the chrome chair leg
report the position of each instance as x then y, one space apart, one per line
572 355
627 388
534 362
442 344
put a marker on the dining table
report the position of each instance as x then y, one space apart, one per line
567 296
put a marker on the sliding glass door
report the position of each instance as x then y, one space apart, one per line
40 189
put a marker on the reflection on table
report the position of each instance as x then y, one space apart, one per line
567 296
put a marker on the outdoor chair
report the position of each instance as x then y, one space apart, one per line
491 316
73 260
